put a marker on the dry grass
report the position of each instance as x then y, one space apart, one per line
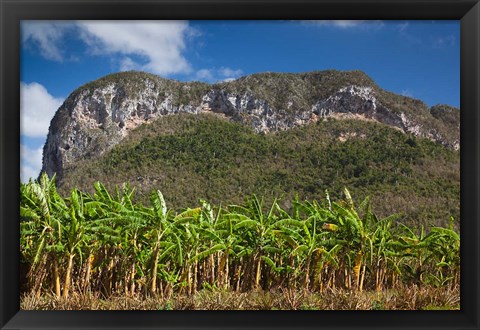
405 298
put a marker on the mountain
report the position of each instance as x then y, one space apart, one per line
274 134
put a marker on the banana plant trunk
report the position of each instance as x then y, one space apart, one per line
132 280
259 271
195 278
363 276
307 273
212 268
237 277
153 287
56 277
224 267
377 277
88 271
66 287
357 268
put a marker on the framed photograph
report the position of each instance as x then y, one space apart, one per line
239 164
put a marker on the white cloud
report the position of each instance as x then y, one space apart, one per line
216 75
37 108
30 162
127 64
46 36
407 93
347 24
439 42
407 36
342 23
403 26
227 72
204 74
155 46
228 79
445 41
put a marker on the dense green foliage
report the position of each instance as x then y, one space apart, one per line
103 242
192 157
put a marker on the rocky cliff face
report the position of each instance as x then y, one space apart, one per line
95 117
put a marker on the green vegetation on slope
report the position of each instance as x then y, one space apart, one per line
192 157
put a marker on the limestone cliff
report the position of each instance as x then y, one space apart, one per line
98 115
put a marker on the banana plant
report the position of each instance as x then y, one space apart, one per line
354 231
158 228
258 231
44 210
114 244
75 228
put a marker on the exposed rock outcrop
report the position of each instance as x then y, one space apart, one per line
95 117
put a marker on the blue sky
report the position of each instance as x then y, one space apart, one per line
420 59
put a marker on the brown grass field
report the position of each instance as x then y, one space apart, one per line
402 298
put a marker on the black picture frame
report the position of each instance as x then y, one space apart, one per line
12 11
